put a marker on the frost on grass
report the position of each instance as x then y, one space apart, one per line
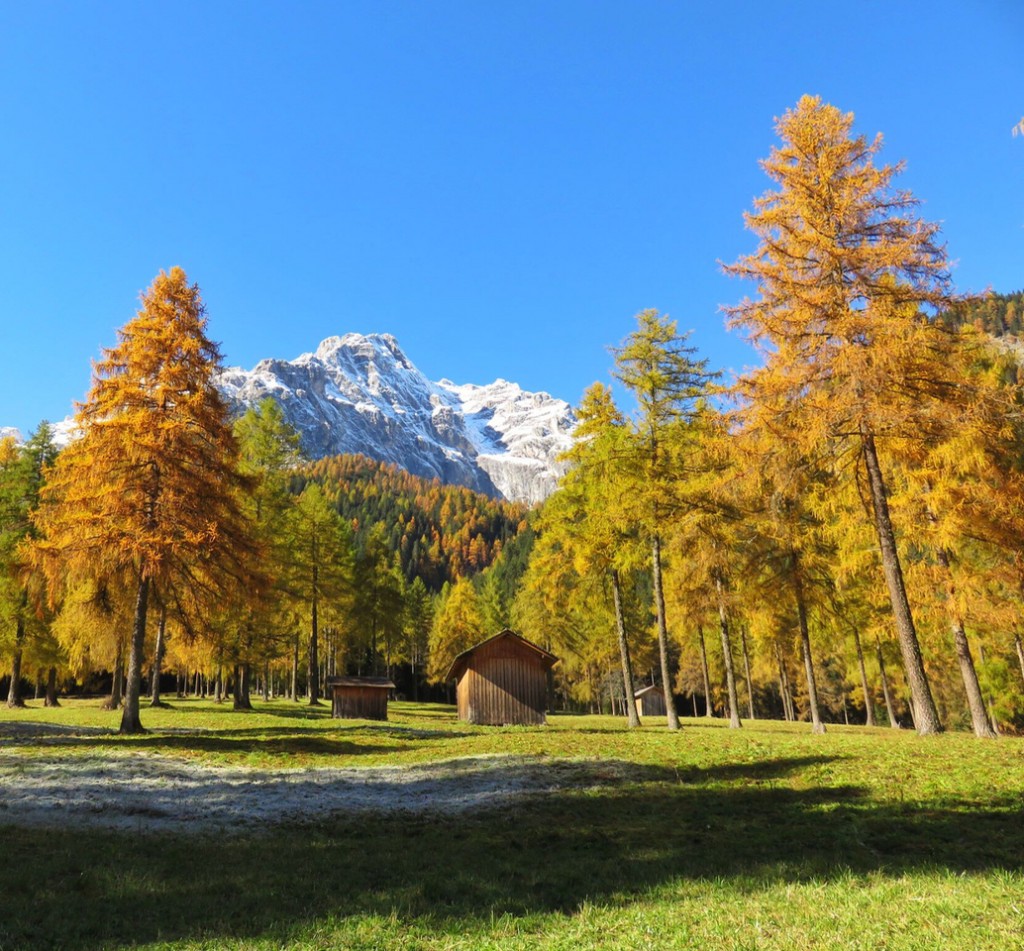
132 790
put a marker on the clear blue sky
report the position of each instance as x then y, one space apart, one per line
500 185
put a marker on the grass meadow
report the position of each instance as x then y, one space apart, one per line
765 837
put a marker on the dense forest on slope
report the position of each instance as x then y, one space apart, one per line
440 533
840 538
999 314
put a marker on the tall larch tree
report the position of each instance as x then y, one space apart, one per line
846 275
323 568
22 473
667 380
587 517
148 491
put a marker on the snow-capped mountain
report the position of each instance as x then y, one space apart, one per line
361 394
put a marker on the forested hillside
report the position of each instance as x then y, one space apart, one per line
998 314
838 534
439 532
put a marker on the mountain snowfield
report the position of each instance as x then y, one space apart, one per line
362 394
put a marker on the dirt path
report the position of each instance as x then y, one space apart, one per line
146 791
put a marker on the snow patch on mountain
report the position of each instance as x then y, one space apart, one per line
362 394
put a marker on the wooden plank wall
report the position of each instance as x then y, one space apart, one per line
360 703
503 685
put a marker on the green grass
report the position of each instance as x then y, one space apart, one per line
767 837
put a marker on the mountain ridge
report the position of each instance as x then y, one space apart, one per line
360 394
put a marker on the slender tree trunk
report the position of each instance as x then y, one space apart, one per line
746 673
242 685
219 689
805 644
846 712
130 722
783 686
114 700
38 685
629 699
659 602
295 669
314 660
869 702
266 682
730 675
708 708
14 698
886 692
927 718
158 660
51 688
975 701
1020 653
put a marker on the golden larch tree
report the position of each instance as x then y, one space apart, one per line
148 493
846 275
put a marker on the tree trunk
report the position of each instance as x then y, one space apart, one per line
158 660
708 709
130 722
314 660
219 689
927 718
730 676
38 685
659 602
114 700
629 699
869 702
1020 653
51 688
266 682
805 644
975 701
14 698
746 673
893 722
783 686
242 676
295 669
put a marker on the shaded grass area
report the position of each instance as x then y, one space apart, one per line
764 838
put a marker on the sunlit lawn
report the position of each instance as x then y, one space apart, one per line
767 837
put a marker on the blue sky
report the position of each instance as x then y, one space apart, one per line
502 186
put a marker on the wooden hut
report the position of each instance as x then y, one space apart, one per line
359 698
652 701
501 681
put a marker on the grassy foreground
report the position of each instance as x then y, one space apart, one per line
767 837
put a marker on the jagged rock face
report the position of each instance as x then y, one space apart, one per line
361 394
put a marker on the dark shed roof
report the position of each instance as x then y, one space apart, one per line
459 664
381 682
646 690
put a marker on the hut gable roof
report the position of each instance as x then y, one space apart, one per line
462 660
381 682
646 690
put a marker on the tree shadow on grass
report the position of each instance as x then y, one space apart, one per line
270 741
548 854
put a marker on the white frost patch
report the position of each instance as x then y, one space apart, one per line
139 791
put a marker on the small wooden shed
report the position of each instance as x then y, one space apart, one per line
359 698
502 681
652 701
